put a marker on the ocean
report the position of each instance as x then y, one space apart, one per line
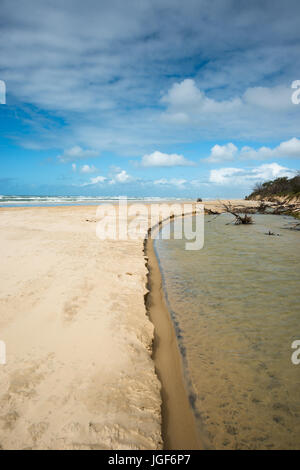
48 201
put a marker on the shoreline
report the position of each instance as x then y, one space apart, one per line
179 430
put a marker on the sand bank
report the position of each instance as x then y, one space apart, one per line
80 372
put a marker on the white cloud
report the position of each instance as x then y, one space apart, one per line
183 95
185 102
165 160
251 112
221 153
290 148
117 176
171 182
270 171
105 82
96 180
287 149
223 175
88 169
76 152
229 152
74 167
249 153
276 98
121 177
238 176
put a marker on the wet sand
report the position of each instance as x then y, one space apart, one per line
178 422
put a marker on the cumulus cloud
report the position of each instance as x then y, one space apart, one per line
287 149
222 153
104 71
271 171
185 101
101 67
88 169
229 152
121 177
172 182
183 95
96 180
76 152
224 175
118 176
238 176
165 160
254 111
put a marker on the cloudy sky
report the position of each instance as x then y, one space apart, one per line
148 98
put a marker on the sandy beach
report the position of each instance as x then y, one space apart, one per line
80 371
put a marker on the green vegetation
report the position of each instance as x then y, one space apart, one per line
286 187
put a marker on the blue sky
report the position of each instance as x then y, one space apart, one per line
152 98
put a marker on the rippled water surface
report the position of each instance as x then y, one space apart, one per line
46 201
236 307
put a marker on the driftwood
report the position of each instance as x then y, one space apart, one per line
276 206
239 219
272 233
242 217
245 210
262 207
279 207
211 212
295 227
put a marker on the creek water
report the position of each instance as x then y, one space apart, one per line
235 305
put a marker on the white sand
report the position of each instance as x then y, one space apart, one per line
79 373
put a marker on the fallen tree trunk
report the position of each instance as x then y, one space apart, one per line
239 219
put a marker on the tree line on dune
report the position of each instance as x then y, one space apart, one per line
282 187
